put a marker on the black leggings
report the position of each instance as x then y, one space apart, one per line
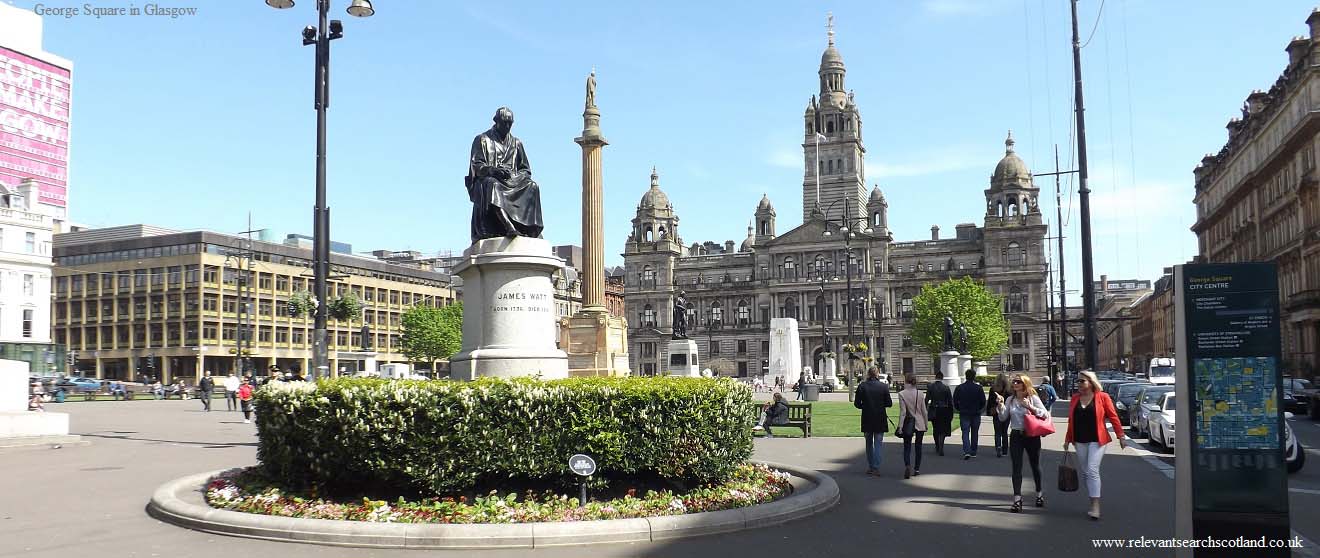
1017 441
247 415
1001 435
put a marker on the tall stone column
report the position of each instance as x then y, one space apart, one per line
597 341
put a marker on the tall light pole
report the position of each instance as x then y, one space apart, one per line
847 227
1088 286
321 35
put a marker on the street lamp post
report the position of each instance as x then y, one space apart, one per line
847 227
321 35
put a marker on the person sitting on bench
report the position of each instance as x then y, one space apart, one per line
774 412
117 391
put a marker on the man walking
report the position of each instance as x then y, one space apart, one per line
969 399
873 399
1047 394
231 391
206 387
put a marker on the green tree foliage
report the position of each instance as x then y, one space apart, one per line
431 334
972 305
346 308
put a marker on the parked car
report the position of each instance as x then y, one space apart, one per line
1124 395
1140 411
79 384
1160 422
1294 455
1301 392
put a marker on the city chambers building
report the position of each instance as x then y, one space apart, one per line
139 300
733 291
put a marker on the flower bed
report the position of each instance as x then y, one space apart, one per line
247 490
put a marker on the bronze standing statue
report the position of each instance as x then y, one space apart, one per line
505 199
963 331
680 316
948 331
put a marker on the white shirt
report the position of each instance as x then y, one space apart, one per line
231 383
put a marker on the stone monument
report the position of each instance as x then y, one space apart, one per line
18 425
964 359
683 359
785 351
597 342
509 326
949 358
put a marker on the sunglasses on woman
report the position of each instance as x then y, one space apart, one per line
1017 381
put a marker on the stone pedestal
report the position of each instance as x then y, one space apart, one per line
981 367
785 351
949 368
509 325
597 344
683 359
964 364
15 420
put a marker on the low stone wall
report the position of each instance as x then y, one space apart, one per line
182 502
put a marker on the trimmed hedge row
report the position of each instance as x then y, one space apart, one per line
449 436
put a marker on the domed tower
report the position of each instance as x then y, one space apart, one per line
877 211
1012 197
750 242
765 220
656 221
649 259
832 144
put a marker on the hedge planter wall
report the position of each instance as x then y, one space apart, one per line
444 437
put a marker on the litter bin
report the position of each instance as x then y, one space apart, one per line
59 396
811 392
128 394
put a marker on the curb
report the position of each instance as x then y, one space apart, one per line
181 502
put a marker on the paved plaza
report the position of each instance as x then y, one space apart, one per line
90 498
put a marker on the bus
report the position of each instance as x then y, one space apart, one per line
1160 371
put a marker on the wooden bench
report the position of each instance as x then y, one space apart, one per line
799 416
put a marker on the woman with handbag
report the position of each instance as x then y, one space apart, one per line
993 401
912 424
1090 408
1021 407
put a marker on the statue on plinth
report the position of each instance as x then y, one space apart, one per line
680 316
948 331
963 345
506 202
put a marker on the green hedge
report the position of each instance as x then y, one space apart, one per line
452 436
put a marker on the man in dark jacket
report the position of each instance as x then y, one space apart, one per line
969 398
873 399
205 388
939 410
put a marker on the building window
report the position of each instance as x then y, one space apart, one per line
908 367
742 347
1019 339
716 313
1019 362
30 242
648 350
790 269
1015 255
790 308
29 285
1016 300
744 313
648 316
27 322
907 341
905 307
714 347
742 369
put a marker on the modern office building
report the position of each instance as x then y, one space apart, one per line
139 300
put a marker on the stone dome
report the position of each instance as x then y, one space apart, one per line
1011 167
765 205
831 59
655 197
876 195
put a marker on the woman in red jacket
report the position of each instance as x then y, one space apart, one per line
1089 409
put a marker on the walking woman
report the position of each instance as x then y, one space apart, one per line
1090 408
939 407
910 408
994 400
1021 402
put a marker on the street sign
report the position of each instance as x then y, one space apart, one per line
1230 478
582 465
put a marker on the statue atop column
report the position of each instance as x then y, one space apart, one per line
948 331
506 202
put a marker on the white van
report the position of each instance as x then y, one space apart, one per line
1161 371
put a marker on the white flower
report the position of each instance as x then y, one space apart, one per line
677 505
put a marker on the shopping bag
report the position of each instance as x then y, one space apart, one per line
1067 474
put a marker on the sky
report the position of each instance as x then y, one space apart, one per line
196 121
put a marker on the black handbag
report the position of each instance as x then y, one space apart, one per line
909 422
1067 474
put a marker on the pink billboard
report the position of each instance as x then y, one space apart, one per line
34 125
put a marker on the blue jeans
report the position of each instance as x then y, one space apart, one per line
971 431
874 449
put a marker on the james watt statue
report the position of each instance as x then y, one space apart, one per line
505 199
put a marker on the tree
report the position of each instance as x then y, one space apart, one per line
431 334
972 305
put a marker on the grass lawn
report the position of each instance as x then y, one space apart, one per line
839 418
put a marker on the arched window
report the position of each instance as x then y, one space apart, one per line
829 168
1015 255
821 310
790 308
1016 300
744 313
716 312
875 221
648 316
646 233
648 277
765 228
905 307
829 127
789 269
661 233
821 266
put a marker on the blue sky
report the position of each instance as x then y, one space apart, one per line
193 122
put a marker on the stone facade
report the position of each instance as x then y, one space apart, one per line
817 273
1258 198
